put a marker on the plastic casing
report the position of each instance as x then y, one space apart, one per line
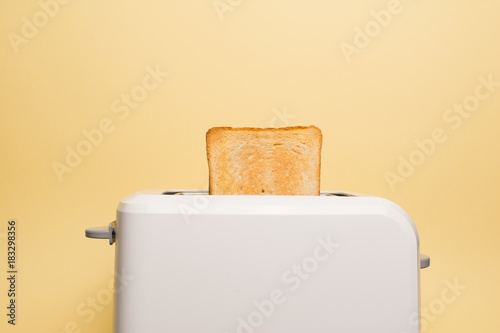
280 264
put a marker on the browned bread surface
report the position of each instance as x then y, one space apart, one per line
269 161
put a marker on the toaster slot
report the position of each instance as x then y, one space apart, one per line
185 192
338 194
205 192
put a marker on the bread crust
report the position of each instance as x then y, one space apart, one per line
302 144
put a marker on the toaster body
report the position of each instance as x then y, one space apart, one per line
268 264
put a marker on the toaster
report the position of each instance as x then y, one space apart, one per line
337 262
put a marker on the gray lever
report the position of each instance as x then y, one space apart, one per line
102 232
425 261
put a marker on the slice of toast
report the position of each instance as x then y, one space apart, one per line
269 161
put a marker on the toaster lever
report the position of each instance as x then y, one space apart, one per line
102 232
425 261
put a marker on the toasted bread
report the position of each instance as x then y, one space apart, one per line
267 161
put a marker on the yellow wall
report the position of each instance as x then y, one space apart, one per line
253 63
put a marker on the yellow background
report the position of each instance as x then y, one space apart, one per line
249 66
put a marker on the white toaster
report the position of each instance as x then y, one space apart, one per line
337 262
